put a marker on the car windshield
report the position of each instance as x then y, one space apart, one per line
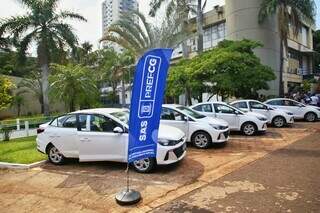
123 116
190 112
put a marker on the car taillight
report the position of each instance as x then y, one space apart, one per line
40 130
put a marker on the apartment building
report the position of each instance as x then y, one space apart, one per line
236 20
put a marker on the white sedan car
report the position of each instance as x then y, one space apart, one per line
299 110
248 124
202 131
102 135
277 117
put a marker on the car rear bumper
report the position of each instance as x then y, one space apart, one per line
41 147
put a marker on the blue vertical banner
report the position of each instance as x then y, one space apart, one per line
146 101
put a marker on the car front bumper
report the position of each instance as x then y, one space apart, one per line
171 154
222 137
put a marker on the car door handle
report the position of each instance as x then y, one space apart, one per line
84 139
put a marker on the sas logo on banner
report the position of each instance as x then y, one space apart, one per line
149 84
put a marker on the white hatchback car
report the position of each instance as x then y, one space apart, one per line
248 124
202 131
276 117
299 110
102 135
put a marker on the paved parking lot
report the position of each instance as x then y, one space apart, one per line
91 187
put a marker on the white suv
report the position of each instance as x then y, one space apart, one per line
237 120
299 110
277 117
202 131
102 135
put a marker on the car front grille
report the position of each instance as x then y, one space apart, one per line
179 151
226 134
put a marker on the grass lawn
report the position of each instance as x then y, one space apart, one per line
21 150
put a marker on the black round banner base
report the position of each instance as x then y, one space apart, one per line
128 197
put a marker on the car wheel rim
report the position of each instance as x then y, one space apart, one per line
142 165
310 117
201 140
278 122
249 129
55 155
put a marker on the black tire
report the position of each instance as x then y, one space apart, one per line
144 166
249 129
201 140
279 121
310 117
55 156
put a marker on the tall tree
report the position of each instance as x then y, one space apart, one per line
316 47
183 9
45 26
73 84
290 14
136 38
5 92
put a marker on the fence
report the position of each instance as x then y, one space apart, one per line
22 127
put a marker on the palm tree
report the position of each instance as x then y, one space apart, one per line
136 38
290 14
45 26
4 44
73 84
183 9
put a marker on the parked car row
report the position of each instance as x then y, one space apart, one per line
102 134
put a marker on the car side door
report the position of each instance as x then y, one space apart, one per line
295 107
205 109
258 107
243 105
174 118
63 135
228 114
99 142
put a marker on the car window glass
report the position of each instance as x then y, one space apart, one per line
54 122
276 102
257 105
170 114
242 105
70 122
220 108
83 122
99 123
205 108
290 103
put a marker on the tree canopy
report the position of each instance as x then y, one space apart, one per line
230 69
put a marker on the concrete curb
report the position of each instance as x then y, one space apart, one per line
4 165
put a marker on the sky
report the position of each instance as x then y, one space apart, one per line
91 9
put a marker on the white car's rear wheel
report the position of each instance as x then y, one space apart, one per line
144 165
55 156
310 117
279 121
249 129
201 140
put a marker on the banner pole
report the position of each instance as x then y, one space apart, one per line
128 178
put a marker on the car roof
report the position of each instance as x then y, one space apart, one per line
244 100
275 99
210 102
172 105
101 110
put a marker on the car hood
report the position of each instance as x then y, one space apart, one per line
310 107
169 133
256 114
216 121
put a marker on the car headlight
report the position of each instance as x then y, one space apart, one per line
289 113
262 119
218 127
166 142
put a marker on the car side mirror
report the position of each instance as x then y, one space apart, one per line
118 130
236 112
185 118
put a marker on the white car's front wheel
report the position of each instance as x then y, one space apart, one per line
201 140
310 117
279 122
249 129
55 156
144 165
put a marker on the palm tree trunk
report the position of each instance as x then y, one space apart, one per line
281 92
200 26
44 67
123 91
